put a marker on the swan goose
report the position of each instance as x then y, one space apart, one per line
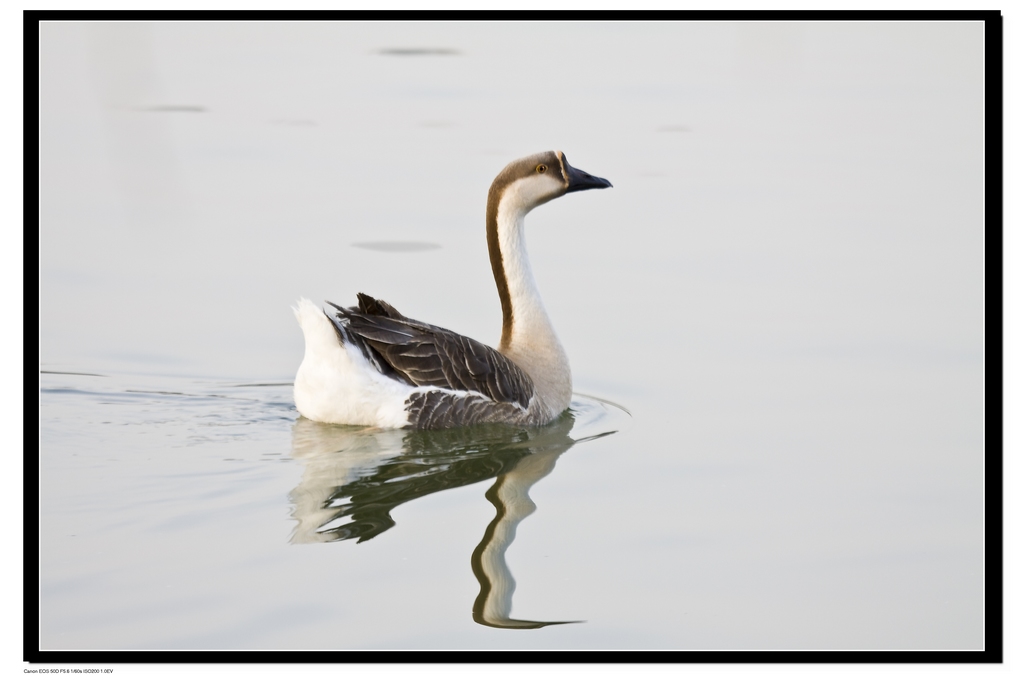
370 365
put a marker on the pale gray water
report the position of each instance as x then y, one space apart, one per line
784 288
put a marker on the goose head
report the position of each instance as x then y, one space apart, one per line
531 181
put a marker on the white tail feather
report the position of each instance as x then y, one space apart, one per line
336 384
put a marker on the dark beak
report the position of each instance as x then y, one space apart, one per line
581 180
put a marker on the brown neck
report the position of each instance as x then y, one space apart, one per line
498 265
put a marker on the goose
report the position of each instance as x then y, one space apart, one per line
370 365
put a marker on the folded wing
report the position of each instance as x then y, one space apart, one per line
476 383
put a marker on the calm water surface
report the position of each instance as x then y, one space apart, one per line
775 321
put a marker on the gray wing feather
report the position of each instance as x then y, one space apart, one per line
421 354
437 410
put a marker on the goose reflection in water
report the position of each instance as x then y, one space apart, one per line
355 476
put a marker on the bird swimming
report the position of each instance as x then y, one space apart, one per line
370 365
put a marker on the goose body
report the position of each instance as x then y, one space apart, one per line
370 365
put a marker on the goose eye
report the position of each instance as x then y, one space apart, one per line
541 168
